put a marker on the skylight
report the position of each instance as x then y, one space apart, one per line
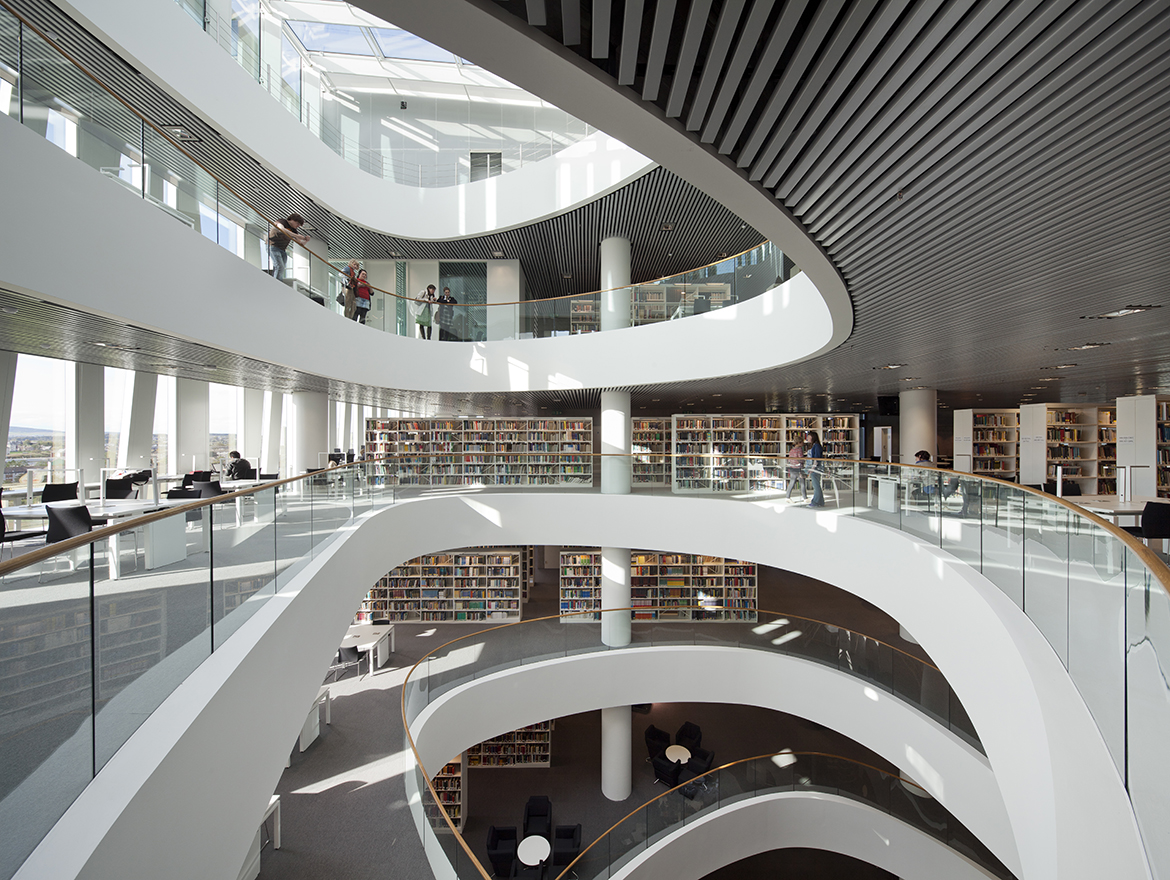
396 43
341 39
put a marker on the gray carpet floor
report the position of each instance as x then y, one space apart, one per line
344 802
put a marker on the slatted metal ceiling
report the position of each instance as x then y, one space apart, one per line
984 173
549 250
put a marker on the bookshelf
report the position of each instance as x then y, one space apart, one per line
729 587
1143 441
488 452
1082 440
461 586
583 315
651 442
527 747
716 453
449 787
989 439
648 304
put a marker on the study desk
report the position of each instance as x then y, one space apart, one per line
165 540
376 641
1113 509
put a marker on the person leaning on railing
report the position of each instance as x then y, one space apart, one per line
283 233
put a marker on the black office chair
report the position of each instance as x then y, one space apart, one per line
538 816
120 488
1155 522
66 521
657 741
276 489
689 736
195 477
10 538
51 492
347 657
566 845
666 771
381 621
501 849
208 488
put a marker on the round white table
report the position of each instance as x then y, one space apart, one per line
678 754
533 850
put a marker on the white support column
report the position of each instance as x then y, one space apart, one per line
617 466
615 593
139 440
617 752
309 429
346 439
85 420
615 283
270 436
331 440
917 423
7 384
251 427
192 425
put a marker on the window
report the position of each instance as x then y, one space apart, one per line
118 396
36 432
485 165
224 416
164 425
395 43
62 131
340 39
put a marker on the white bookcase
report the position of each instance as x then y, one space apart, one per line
1082 440
651 445
729 587
489 452
460 586
1143 439
987 441
449 786
714 453
527 747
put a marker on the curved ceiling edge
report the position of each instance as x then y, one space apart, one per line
193 69
104 276
491 37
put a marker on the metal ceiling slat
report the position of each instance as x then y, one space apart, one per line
599 45
631 38
729 17
1008 67
748 99
897 70
537 14
659 40
741 55
571 22
688 54
954 57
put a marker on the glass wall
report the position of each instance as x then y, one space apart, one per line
225 417
119 392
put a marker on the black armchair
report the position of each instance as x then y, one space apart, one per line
11 537
538 816
657 742
689 736
525 872
566 845
51 492
501 849
665 770
701 761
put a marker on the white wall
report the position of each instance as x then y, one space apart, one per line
191 67
1066 804
104 276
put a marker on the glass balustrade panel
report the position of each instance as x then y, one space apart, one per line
10 85
46 696
243 540
152 592
1002 515
1046 534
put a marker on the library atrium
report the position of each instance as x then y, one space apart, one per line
637 438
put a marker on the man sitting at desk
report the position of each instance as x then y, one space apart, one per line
238 468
